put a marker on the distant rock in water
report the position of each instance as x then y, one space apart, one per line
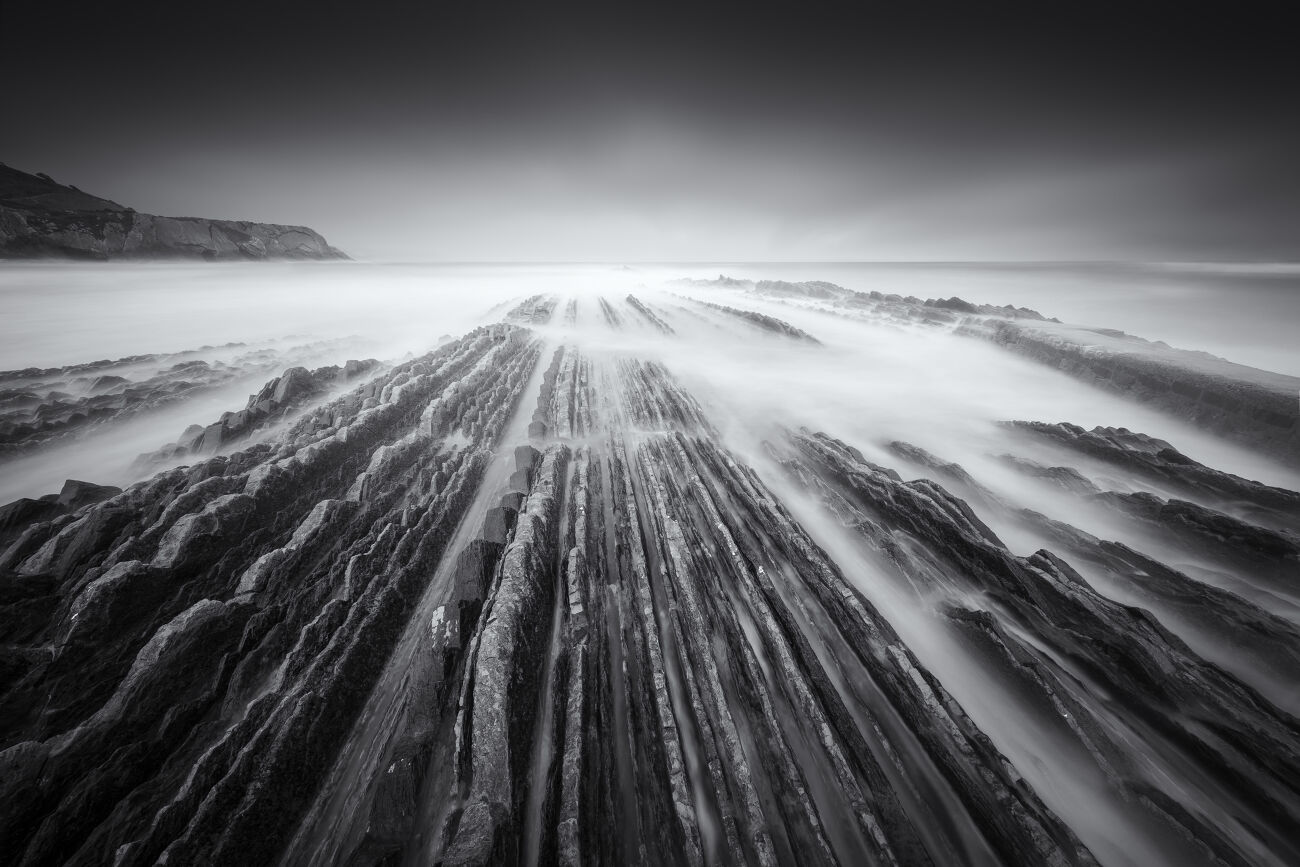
1255 408
766 323
40 218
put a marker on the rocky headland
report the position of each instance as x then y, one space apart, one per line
40 218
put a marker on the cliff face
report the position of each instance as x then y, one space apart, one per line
42 218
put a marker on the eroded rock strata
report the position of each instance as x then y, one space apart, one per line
1251 406
1044 619
274 402
42 407
1157 462
1256 408
521 601
763 321
1232 620
648 314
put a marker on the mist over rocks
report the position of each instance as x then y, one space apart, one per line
40 218
598 581
1160 463
830 438
1252 406
838 296
1255 407
1231 623
45 407
767 323
647 313
295 388
1125 648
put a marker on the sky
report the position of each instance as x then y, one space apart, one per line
546 132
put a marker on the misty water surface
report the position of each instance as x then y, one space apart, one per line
932 389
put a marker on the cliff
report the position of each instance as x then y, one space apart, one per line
41 218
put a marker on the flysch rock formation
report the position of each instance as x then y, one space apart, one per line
521 600
42 407
190 686
1255 408
1042 616
763 321
40 218
649 315
1232 623
276 400
1159 463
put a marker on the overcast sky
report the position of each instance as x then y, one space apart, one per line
508 133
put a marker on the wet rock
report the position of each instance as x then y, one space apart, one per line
296 388
18 515
1162 680
1269 553
1066 478
764 322
649 316
1156 461
107 382
1252 407
485 607
498 524
224 578
49 416
505 676
536 310
950 472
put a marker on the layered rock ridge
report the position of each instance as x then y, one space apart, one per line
1255 408
532 599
